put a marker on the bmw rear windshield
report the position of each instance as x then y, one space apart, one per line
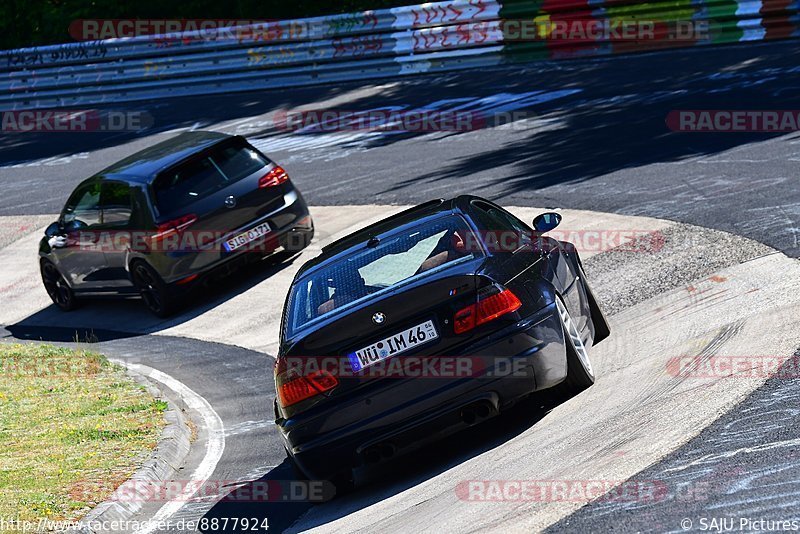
204 175
396 260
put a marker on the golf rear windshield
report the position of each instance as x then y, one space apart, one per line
397 259
200 177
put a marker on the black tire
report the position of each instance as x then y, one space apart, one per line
57 288
580 374
155 293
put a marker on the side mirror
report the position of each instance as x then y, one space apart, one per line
53 230
546 222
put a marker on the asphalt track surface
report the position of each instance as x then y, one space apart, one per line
237 384
596 140
744 466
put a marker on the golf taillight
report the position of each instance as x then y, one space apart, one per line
292 390
274 177
492 303
174 226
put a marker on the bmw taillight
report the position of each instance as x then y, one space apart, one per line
174 226
274 177
492 302
297 388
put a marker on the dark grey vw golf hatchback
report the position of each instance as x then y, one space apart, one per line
170 217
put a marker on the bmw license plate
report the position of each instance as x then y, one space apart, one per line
393 345
244 238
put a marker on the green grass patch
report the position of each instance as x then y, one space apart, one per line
73 427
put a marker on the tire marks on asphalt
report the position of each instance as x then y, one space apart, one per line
746 464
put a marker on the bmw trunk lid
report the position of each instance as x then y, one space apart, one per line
390 337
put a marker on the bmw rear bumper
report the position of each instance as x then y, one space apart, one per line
398 415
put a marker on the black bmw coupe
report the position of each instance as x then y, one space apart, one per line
423 324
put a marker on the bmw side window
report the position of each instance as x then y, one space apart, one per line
115 201
83 209
522 231
506 232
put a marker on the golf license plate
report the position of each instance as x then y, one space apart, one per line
393 345
240 240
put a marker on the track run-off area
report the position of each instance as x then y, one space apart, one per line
721 284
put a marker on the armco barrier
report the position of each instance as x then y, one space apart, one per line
425 38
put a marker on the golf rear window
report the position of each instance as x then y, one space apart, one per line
395 260
200 177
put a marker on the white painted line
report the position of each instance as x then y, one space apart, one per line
215 444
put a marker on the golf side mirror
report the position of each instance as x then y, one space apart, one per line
53 230
546 222
74 226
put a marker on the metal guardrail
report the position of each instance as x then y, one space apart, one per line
425 38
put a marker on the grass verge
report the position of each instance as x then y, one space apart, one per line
73 427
